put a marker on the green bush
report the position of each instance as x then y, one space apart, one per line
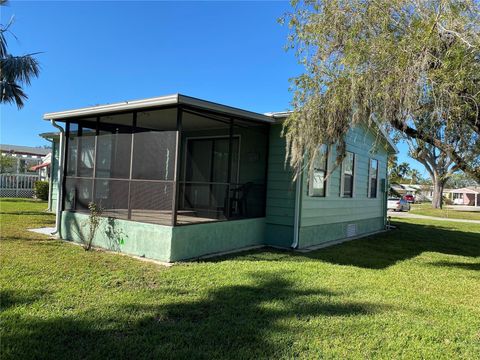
41 190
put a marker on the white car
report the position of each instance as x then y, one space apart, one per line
397 204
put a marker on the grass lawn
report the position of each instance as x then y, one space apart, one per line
426 209
410 293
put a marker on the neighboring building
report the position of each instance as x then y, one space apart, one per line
469 196
23 159
21 167
179 178
402 189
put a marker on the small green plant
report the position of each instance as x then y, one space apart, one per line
93 222
41 190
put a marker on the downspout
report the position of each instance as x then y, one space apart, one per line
296 218
58 209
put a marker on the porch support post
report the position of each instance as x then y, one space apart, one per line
132 141
94 174
229 169
176 173
63 167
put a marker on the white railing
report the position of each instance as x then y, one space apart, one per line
17 185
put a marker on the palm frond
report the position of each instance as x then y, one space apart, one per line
19 68
3 44
12 93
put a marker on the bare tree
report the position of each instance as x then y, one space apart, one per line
439 166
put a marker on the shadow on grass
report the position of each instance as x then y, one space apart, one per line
382 250
21 200
237 321
458 265
10 298
29 213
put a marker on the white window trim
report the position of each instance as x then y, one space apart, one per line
377 178
310 178
342 177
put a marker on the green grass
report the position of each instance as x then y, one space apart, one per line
426 209
410 293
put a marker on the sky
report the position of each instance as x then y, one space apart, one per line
102 52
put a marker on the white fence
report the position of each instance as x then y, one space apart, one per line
17 185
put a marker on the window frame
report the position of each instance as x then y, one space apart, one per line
319 192
370 178
342 177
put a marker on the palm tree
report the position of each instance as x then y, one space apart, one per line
415 176
403 169
15 71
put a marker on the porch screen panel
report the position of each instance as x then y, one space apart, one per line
151 201
72 148
112 197
100 166
204 167
78 193
86 152
80 164
153 166
114 147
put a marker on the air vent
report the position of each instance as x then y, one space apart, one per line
351 230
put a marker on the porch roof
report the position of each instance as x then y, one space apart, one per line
464 191
175 99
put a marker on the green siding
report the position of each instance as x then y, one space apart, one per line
325 218
280 193
192 241
165 243
320 234
147 240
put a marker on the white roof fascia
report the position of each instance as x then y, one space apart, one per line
154 102
125 105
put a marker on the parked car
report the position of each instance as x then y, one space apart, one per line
410 198
397 204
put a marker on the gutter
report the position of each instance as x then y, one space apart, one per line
296 219
58 211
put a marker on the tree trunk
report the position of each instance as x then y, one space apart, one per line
437 200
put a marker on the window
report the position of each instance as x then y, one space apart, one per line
318 184
372 178
348 166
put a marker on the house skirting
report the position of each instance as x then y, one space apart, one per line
165 243
326 233
169 244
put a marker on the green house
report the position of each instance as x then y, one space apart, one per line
178 178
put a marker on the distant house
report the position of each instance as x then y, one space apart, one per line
21 167
421 192
25 159
179 177
402 189
469 196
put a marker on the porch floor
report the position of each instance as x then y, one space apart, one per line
161 217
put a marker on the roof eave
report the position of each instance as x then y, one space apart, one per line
121 106
176 99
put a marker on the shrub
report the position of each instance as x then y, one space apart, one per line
41 190
447 201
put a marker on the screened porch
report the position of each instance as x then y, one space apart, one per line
172 165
